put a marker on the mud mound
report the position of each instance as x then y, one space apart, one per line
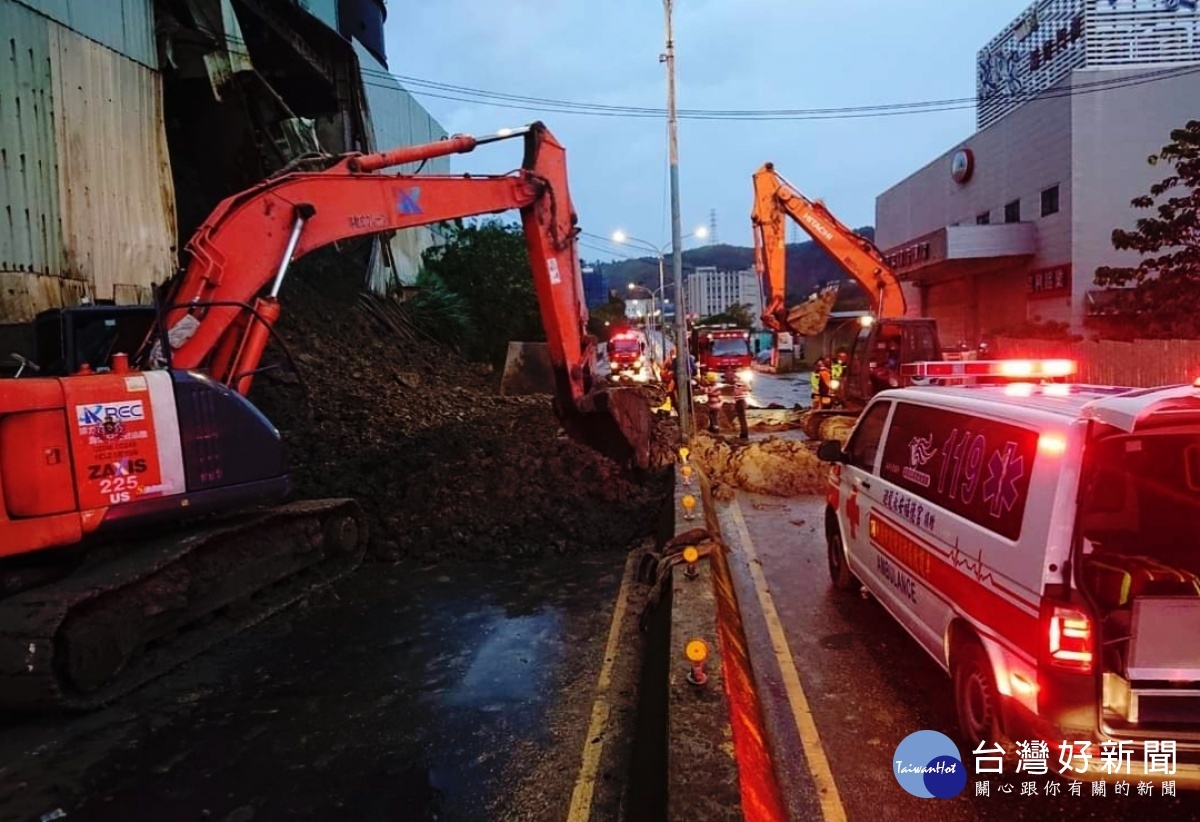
779 467
771 419
825 427
442 465
836 428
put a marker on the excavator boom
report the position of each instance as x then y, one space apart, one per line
222 307
774 199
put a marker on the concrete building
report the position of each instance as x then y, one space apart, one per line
1010 225
710 291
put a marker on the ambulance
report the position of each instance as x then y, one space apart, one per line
1040 539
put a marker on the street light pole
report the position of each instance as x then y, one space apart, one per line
682 375
662 325
649 323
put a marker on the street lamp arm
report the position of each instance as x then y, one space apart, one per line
621 238
627 240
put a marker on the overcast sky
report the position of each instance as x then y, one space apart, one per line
730 55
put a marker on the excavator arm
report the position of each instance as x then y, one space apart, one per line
220 310
775 198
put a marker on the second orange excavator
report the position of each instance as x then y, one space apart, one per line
882 345
138 416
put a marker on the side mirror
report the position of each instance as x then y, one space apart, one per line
831 451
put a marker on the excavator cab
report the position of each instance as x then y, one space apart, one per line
70 338
879 351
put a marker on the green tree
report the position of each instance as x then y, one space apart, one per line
1166 283
487 265
437 311
604 318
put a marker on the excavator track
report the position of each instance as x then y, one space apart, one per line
84 641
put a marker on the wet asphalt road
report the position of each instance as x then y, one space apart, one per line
868 685
449 693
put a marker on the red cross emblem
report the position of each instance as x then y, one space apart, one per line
852 511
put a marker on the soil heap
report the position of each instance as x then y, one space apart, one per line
775 466
442 465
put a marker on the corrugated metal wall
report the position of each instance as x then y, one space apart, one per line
323 10
84 170
30 239
115 188
125 26
396 119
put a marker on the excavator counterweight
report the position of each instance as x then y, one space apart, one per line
139 488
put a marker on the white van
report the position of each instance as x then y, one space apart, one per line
1041 540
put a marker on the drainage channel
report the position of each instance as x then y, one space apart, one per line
701 751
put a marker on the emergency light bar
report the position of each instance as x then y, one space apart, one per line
967 369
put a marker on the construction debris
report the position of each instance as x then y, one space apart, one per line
442 465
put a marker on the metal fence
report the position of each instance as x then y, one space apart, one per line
1139 364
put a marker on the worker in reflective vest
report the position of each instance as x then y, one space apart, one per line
741 393
815 381
825 384
839 365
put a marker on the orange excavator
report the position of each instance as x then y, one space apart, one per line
888 340
138 417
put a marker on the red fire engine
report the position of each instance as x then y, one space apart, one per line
626 354
721 348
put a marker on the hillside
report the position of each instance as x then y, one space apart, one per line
808 267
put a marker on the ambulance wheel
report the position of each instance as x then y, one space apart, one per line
976 698
839 569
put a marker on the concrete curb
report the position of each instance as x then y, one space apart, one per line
718 764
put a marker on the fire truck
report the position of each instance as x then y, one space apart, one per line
721 348
627 356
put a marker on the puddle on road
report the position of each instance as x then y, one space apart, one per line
403 693
510 664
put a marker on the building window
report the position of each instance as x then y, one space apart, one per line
1050 201
1012 212
983 219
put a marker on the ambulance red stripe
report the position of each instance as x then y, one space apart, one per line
1004 617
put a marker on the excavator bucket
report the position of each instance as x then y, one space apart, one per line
614 421
811 316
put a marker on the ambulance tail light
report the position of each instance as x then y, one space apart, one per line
1069 635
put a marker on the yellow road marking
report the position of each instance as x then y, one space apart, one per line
585 784
814 752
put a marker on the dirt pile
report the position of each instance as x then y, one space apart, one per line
770 419
775 466
821 427
442 465
836 428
